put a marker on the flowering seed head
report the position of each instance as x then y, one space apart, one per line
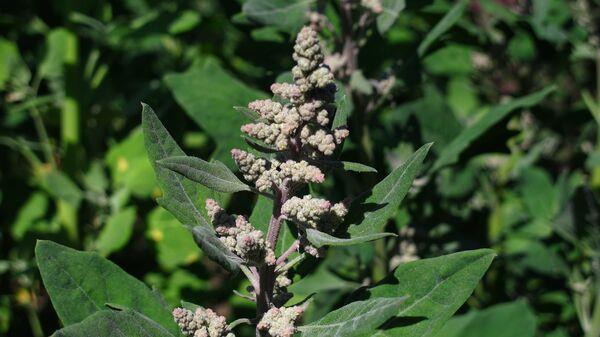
250 166
313 212
201 323
280 322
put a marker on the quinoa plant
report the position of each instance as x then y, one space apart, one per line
294 140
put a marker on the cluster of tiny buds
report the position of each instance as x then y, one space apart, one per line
239 236
266 174
201 323
280 322
314 212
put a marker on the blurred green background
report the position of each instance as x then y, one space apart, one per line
519 175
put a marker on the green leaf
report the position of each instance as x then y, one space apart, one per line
390 11
208 95
116 323
81 283
287 15
61 50
116 232
213 247
320 239
30 213
179 194
452 152
215 175
187 20
348 166
503 320
388 195
60 186
441 27
174 244
354 319
435 289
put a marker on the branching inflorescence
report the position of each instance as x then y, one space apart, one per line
297 127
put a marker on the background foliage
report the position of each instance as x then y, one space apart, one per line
508 91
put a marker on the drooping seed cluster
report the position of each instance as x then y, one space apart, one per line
280 322
237 234
201 323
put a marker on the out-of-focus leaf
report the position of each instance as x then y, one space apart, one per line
441 27
320 239
451 60
116 323
388 194
186 21
287 15
60 186
208 95
10 63
32 211
174 244
434 289
503 320
60 50
81 283
215 175
354 319
539 194
129 165
267 34
452 152
116 232
389 13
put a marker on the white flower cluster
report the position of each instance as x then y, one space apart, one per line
280 322
303 123
314 212
266 174
237 234
201 323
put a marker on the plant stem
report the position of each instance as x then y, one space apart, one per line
288 252
34 322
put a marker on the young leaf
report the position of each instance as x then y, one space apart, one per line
81 283
208 95
435 289
207 240
389 194
355 319
390 11
179 194
320 239
215 176
452 152
108 323
441 27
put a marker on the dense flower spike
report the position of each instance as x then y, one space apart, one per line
313 212
201 323
237 234
280 322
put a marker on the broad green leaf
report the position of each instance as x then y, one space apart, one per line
390 11
354 319
111 323
287 15
388 194
60 186
116 232
215 175
208 95
179 194
30 213
435 288
320 239
206 238
81 283
539 194
441 27
174 244
452 152
503 320
187 20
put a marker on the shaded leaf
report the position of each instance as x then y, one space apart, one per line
207 240
116 232
452 152
390 11
441 27
287 15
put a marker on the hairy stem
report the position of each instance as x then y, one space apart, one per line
288 252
